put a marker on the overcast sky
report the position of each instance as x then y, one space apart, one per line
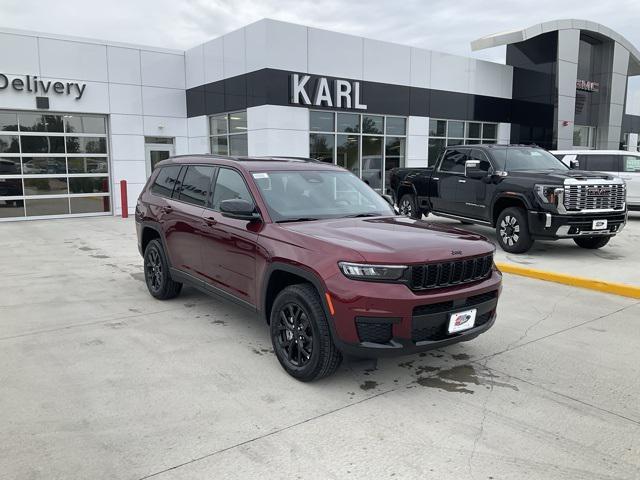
445 25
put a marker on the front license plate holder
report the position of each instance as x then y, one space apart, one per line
461 321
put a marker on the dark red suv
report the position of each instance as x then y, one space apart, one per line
318 254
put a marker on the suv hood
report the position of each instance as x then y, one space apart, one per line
398 240
559 176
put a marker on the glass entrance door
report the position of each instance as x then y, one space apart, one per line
156 150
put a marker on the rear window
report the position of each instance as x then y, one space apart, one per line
165 181
598 163
196 185
631 164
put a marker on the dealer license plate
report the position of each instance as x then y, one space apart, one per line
462 320
599 225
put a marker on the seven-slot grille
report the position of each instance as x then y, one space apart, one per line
438 275
594 197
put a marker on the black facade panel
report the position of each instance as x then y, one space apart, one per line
451 105
419 102
235 93
490 109
385 98
196 103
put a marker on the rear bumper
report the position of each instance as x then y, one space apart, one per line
554 226
402 322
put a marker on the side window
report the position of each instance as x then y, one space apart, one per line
485 164
631 164
599 163
229 185
196 185
453 161
165 181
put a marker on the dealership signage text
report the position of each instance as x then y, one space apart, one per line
323 92
31 83
587 86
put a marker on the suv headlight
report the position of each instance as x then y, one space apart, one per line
362 271
549 193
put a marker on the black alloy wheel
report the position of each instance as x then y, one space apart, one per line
156 273
295 335
300 334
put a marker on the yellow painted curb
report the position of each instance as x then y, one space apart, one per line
590 283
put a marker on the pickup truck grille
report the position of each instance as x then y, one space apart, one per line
594 197
439 275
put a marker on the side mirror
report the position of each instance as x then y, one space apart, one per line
239 209
574 164
472 169
389 200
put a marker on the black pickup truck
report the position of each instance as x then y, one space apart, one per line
522 191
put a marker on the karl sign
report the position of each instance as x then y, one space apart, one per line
587 86
322 92
31 83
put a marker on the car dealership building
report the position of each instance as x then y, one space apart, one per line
77 116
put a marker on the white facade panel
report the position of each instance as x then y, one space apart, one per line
276 116
200 145
213 61
420 68
162 69
449 72
94 99
491 79
387 62
335 54
234 53
76 60
133 171
19 54
126 124
275 44
165 102
182 145
165 126
125 99
127 147
198 126
124 65
194 66
272 141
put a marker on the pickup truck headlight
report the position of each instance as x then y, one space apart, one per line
362 271
549 193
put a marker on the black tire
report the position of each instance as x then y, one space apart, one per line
156 273
512 230
408 206
591 243
298 311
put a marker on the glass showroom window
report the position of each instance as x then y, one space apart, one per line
53 164
584 136
367 145
445 133
228 133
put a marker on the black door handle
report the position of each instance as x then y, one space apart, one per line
210 221
167 209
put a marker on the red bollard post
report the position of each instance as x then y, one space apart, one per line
123 199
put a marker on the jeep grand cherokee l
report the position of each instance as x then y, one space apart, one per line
522 191
318 254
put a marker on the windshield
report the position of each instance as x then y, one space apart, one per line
512 159
311 195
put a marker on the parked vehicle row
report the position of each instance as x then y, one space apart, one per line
524 192
317 254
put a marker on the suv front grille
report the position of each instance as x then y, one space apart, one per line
438 275
438 330
594 197
371 331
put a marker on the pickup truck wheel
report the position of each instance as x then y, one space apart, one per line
156 273
512 230
408 206
300 334
591 242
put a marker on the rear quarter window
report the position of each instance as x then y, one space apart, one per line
165 181
599 163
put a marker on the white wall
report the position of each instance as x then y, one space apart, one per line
276 130
141 89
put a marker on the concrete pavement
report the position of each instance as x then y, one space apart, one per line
99 380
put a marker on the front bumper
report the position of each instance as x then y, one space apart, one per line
403 322
554 226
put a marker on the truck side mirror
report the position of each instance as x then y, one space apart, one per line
472 169
574 164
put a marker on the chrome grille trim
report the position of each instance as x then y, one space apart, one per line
594 197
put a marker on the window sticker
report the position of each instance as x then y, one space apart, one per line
260 175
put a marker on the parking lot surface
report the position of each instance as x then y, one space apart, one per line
100 380
618 261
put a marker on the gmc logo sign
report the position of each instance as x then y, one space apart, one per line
598 191
322 92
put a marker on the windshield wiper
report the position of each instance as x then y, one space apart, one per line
361 215
301 219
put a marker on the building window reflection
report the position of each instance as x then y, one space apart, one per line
228 133
447 133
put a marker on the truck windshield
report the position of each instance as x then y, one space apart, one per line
314 195
512 159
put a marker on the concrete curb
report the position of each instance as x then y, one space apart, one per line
582 282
